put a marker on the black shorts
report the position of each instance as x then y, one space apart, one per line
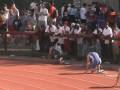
83 21
51 44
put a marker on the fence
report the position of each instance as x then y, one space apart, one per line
18 43
24 44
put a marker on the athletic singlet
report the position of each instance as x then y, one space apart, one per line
95 57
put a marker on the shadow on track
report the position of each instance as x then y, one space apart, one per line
105 87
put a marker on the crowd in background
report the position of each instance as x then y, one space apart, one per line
91 27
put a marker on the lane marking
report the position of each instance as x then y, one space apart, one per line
54 82
66 77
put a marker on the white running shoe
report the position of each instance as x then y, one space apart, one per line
101 71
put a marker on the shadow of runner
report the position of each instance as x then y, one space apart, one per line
14 61
72 73
104 87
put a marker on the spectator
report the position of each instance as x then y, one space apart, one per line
14 16
91 18
4 19
111 18
107 34
50 31
62 11
53 12
30 23
6 13
83 11
77 41
118 20
72 14
116 44
69 9
65 17
65 31
14 11
43 16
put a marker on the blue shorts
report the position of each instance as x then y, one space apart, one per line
94 64
95 60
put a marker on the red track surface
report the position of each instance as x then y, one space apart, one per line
25 76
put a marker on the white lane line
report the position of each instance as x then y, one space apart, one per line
111 75
15 82
67 78
102 75
107 76
29 85
54 82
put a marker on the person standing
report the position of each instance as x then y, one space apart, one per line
83 11
53 13
65 30
73 14
50 32
43 16
13 16
106 43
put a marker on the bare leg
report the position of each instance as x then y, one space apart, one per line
50 53
87 64
61 60
117 81
118 78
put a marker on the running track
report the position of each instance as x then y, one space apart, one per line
33 75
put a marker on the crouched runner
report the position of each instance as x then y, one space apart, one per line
57 52
93 62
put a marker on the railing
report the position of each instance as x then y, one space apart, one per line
17 40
